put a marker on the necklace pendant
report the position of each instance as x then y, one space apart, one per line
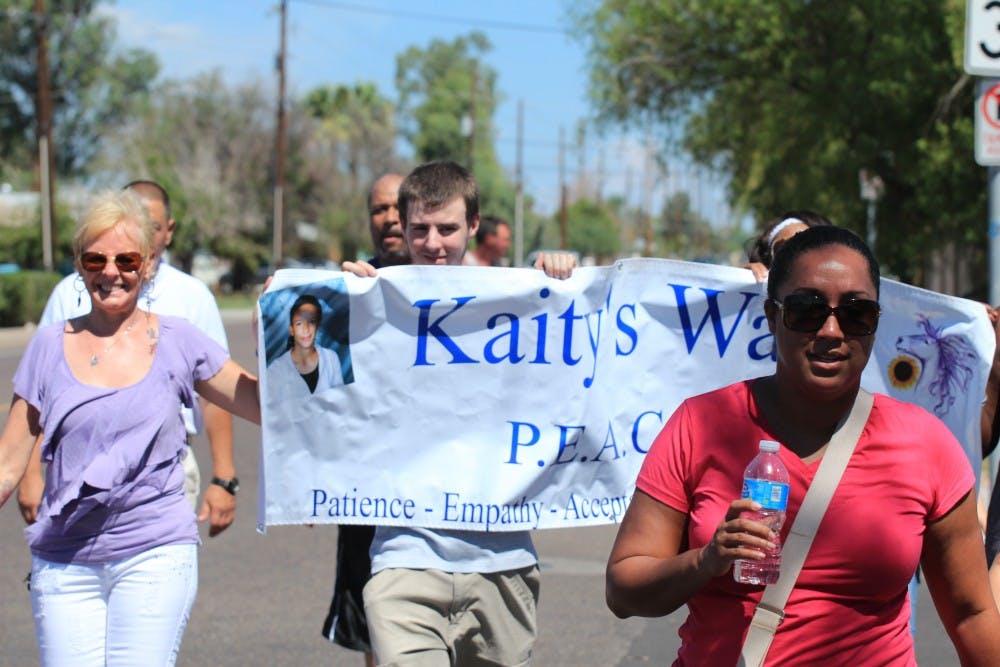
93 360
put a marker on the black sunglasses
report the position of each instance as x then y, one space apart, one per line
807 313
126 262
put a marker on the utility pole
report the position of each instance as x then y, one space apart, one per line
626 236
698 177
43 110
647 196
563 226
872 188
599 185
519 189
638 235
279 179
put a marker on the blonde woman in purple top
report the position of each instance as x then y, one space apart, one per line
114 550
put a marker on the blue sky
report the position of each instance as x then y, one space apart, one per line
330 41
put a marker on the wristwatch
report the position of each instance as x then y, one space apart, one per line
230 485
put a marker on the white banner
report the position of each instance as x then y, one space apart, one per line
499 399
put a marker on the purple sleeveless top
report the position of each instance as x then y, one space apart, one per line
114 482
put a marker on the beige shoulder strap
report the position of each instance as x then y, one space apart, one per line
770 610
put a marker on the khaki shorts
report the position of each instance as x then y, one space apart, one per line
429 618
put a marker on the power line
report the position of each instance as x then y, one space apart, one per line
440 18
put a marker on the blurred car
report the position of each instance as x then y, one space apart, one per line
244 280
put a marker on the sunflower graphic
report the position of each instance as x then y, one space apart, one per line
904 371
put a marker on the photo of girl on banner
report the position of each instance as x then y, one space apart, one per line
305 337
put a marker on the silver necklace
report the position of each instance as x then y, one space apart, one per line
107 348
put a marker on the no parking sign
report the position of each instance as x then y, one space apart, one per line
988 123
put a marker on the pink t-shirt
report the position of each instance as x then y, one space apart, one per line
849 605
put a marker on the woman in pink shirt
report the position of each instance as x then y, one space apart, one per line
905 496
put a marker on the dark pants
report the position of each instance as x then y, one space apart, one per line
345 623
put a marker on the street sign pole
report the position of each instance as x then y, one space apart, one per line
988 155
982 58
994 235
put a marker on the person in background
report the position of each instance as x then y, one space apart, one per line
384 224
683 530
168 292
345 623
114 543
450 597
990 429
774 235
492 243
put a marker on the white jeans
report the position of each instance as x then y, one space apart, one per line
128 612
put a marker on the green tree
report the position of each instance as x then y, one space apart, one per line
593 231
209 145
354 126
680 226
776 93
92 84
439 87
687 234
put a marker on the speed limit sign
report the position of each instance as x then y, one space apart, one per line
982 37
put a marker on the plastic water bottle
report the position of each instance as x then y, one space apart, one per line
766 482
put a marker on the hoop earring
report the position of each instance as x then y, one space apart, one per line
80 286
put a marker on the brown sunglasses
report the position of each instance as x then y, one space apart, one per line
126 262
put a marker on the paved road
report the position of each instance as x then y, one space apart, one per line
262 598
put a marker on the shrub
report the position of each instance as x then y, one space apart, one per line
23 296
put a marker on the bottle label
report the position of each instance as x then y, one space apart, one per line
770 495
